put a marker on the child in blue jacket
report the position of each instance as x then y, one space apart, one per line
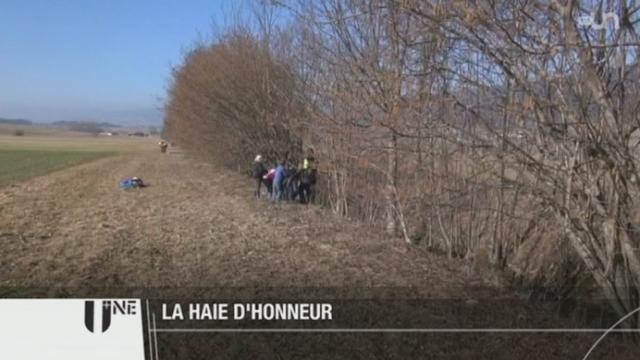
278 181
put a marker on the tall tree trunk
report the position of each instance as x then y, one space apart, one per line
390 186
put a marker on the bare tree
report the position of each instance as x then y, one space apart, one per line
574 95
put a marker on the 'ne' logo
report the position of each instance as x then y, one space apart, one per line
89 311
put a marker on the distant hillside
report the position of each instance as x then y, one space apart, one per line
15 121
84 124
92 127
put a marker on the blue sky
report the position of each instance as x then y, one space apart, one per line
104 60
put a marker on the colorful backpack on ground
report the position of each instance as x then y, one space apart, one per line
131 183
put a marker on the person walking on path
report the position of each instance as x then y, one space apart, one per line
259 170
278 181
163 146
308 178
268 181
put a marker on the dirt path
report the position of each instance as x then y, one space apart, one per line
194 226
198 226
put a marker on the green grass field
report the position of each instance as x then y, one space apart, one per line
20 165
24 157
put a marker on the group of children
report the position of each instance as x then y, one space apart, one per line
286 181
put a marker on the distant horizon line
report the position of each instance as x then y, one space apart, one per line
114 123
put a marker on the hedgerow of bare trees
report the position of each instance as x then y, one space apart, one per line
234 99
509 127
